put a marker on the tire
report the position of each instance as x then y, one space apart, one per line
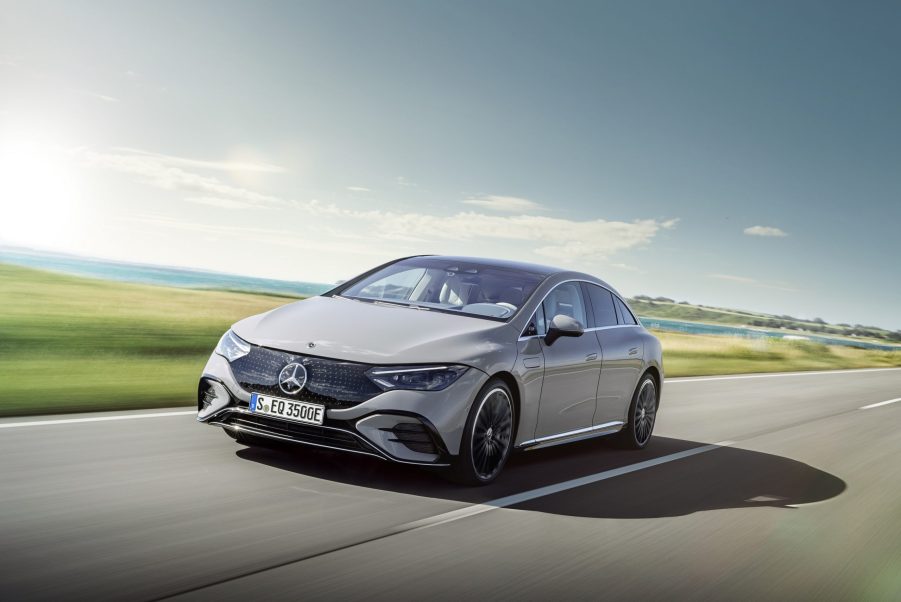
487 436
642 415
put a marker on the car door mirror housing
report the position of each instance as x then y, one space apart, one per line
563 326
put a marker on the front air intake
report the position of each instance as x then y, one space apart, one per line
414 436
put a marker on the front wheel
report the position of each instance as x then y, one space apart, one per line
487 436
642 415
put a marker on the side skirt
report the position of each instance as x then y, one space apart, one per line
608 428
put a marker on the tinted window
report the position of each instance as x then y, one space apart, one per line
537 325
396 286
627 316
602 304
566 299
444 285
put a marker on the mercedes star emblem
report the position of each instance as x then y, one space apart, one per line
292 378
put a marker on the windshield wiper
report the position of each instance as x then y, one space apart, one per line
401 304
384 302
389 303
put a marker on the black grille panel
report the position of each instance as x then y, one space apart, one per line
300 432
333 383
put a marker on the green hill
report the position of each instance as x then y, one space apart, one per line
661 307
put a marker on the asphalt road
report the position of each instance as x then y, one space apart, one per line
754 487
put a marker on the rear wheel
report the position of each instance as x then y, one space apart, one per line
487 436
642 415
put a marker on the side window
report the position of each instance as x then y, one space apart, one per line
566 299
624 312
602 304
537 325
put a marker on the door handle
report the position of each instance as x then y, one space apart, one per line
633 351
591 356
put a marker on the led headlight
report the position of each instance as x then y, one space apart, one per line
232 347
415 378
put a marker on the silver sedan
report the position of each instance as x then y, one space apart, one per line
448 362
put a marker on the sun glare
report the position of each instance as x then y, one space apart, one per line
37 194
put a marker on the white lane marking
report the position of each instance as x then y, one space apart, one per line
525 496
696 379
881 403
10 425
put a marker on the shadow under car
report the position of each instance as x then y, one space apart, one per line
725 477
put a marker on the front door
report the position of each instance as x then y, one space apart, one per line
572 366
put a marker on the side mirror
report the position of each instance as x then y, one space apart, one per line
563 326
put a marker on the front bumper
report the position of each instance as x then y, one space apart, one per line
411 427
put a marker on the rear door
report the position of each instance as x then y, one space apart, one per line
621 351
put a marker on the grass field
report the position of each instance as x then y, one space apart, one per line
71 344
697 355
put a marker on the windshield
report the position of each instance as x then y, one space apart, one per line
444 285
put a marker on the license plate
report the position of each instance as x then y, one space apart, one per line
289 409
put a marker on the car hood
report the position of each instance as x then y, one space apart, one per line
358 331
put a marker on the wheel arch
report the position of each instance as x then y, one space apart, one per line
512 384
655 374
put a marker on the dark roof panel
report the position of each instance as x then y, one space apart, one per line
534 268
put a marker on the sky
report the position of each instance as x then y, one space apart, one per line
739 154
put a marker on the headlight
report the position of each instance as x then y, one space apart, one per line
416 378
232 347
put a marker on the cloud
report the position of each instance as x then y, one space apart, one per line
563 239
765 231
670 223
741 279
257 235
752 282
508 204
102 97
402 181
358 189
232 166
160 171
223 203
626 267
557 238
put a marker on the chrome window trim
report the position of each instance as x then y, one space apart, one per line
616 296
541 336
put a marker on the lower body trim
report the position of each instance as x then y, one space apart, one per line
608 428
